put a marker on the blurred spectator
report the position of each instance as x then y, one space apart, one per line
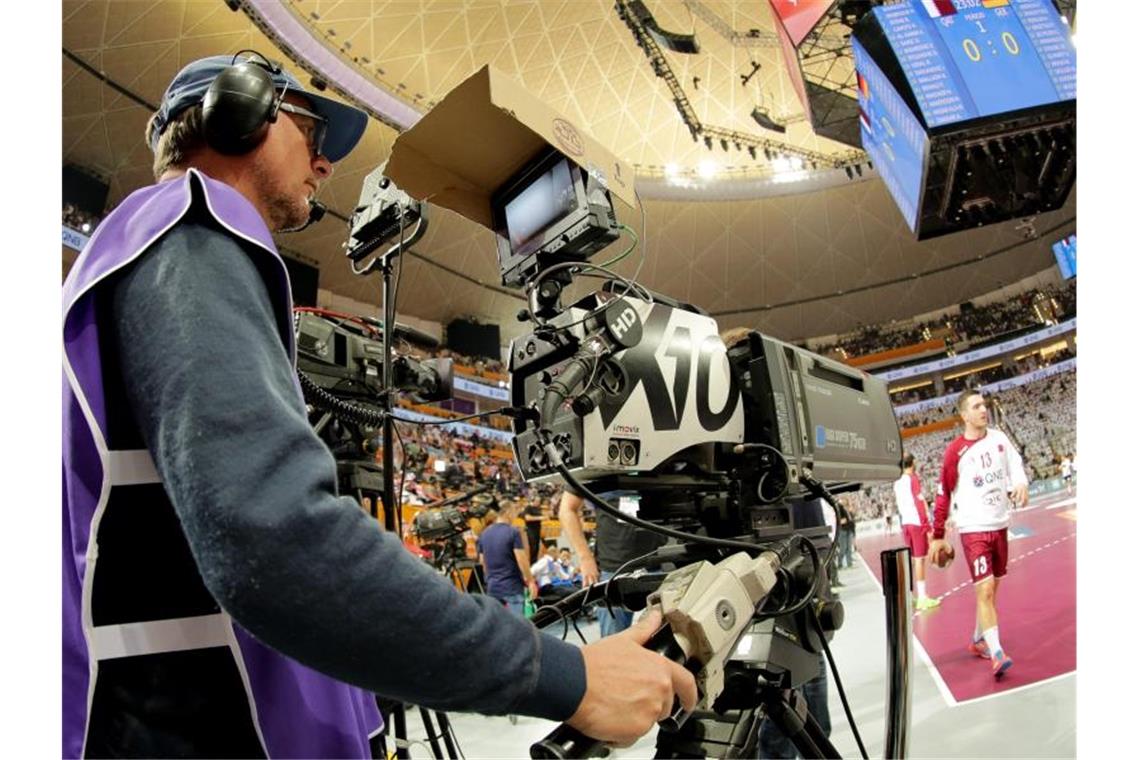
78 219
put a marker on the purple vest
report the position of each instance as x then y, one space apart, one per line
151 664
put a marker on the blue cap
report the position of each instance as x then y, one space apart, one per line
345 123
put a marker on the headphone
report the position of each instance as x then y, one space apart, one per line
240 104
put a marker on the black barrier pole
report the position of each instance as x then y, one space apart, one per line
895 564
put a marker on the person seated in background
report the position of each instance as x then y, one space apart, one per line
573 572
552 579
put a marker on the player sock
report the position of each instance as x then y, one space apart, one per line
921 589
992 640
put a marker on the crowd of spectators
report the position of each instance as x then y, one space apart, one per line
1034 307
479 365
435 463
78 219
1022 366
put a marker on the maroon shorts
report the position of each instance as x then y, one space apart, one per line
916 539
986 553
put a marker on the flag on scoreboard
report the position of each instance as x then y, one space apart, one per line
865 121
939 8
995 3
861 82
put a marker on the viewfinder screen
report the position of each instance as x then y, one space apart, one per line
545 201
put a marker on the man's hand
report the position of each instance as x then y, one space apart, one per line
590 573
941 553
1020 495
628 687
533 588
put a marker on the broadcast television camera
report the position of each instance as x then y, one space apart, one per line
630 390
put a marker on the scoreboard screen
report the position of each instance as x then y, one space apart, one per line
967 108
1065 251
965 59
892 136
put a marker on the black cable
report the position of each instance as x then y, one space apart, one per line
403 467
618 572
819 490
810 594
787 473
838 682
605 506
641 241
561 617
321 398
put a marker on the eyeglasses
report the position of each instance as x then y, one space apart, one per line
313 131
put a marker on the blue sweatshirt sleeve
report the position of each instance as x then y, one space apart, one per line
309 573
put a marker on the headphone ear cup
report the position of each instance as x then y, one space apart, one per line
238 108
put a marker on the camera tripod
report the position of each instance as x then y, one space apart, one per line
773 655
395 717
761 682
450 558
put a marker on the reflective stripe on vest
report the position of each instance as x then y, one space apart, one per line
161 636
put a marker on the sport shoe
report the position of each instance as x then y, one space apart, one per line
1001 663
979 648
927 603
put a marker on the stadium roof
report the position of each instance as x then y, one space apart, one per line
794 259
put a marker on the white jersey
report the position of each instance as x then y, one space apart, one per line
977 476
908 497
1066 468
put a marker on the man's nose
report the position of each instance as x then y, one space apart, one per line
323 167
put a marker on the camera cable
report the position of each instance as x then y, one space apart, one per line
838 682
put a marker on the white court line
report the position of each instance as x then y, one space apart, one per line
922 654
1007 692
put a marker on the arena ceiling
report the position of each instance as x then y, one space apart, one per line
792 263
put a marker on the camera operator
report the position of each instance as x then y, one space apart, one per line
219 597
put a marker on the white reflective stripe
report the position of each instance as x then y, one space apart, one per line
131 467
158 636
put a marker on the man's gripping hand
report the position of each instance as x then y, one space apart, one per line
1020 495
628 687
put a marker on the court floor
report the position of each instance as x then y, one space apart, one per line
1036 605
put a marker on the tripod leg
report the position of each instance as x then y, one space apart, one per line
400 728
429 727
788 710
445 729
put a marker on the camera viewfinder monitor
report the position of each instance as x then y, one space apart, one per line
551 211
